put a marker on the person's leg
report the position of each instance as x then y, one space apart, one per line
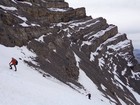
15 67
10 66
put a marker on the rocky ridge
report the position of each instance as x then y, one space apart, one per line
67 41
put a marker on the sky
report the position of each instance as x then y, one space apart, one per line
122 13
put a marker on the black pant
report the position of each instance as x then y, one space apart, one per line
14 66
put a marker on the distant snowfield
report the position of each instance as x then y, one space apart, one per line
28 87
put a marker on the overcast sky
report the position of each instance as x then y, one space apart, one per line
123 13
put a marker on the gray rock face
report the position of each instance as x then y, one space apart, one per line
23 20
67 41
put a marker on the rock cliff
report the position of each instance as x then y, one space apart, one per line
67 41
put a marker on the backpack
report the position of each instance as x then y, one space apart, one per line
16 62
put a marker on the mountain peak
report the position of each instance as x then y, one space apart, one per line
66 42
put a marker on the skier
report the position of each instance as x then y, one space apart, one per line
89 96
13 62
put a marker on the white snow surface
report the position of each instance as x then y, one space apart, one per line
8 8
25 2
57 9
29 87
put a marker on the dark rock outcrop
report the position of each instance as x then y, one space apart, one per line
66 41
22 20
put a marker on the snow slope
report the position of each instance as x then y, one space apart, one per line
29 87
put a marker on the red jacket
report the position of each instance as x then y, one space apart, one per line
13 61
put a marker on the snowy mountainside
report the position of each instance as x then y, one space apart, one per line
29 87
68 44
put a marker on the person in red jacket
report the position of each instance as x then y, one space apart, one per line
13 62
